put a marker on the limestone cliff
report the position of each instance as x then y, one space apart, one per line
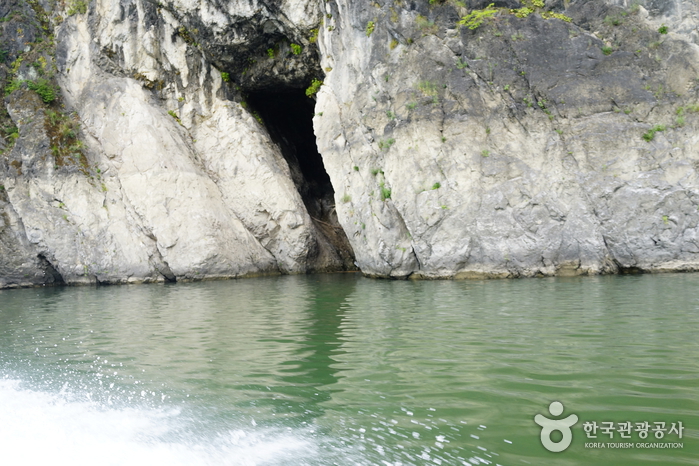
535 138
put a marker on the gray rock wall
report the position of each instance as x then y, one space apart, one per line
513 149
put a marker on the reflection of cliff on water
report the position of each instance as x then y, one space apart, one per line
307 378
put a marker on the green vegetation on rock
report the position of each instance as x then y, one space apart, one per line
474 19
650 134
314 87
370 28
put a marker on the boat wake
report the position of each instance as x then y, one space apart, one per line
39 428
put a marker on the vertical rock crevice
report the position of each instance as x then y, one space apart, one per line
287 114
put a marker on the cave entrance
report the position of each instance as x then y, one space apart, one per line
288 116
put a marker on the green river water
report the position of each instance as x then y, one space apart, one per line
344 370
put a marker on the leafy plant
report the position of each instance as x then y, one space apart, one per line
607 50
437 185
314 87
13 86
385 192
485 153
386 144
662 29
393 44
296 49
428 88
552 15
425 24
44 88
225 76
474 19
314 36
174 115
346 198
271 53
77 6
650 134
612 21
370 28
390 114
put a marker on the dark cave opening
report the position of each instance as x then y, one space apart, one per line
288 116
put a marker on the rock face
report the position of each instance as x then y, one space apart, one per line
515 148
561 139
171 176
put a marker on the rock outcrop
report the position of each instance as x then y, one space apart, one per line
516 148
150 141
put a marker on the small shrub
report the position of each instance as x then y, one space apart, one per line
296 49
411 105
270 53
612 21
485 153
370 28
607 50
649 135
225 76
393 44
314 36
356 168
385 192
386 144
427 88
425 25
44 88
552 15
474 19
77 6
662 29
13 86
522 12
174 115
437 185
314 87
390 114
68 130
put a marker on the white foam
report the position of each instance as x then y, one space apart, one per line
38 428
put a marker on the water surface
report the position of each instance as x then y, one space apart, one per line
339 369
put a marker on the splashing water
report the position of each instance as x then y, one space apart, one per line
43 428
